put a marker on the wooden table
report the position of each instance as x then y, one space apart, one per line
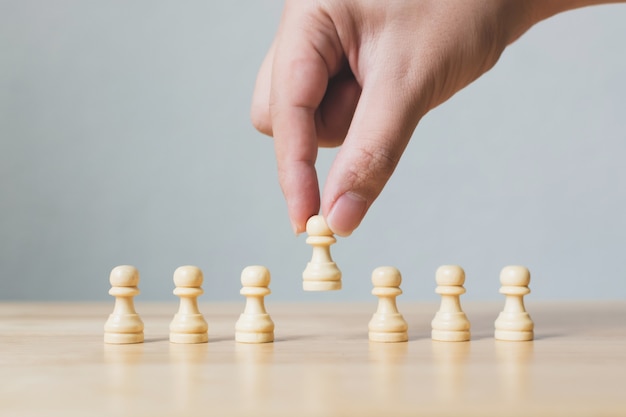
53 363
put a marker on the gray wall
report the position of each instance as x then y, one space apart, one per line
125 138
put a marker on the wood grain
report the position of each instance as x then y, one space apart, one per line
53 362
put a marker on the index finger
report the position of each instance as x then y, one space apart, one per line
300 74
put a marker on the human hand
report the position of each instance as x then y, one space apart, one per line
361 74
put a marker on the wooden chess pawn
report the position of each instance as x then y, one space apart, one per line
450 323
514 323
387 324
188 325
124 324
254 324
321 273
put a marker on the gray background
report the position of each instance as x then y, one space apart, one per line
125 138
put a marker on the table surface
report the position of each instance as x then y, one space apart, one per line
53 362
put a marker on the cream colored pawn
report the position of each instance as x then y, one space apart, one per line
254 324
124 324
387 324
188 325
450 323
514 323
321 273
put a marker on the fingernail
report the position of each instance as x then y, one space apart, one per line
294 226
346 214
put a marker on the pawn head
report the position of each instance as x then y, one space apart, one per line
124 276
386 276
255 276
316 226
517 276
450 275
188 276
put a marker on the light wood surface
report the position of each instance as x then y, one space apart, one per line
53 362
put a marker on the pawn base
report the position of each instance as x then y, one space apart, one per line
249 337
514 336
123 338
189 338
388 337
451 335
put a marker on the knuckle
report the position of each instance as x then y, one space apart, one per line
371 169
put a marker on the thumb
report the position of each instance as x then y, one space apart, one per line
383 123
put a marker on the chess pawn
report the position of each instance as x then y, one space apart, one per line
450 323
254 324
514 323
321 273
124 324
387 324
188 325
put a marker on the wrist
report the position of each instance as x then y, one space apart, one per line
543 9
521 15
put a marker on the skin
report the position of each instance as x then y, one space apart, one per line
360 74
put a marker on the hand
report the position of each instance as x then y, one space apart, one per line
362 73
